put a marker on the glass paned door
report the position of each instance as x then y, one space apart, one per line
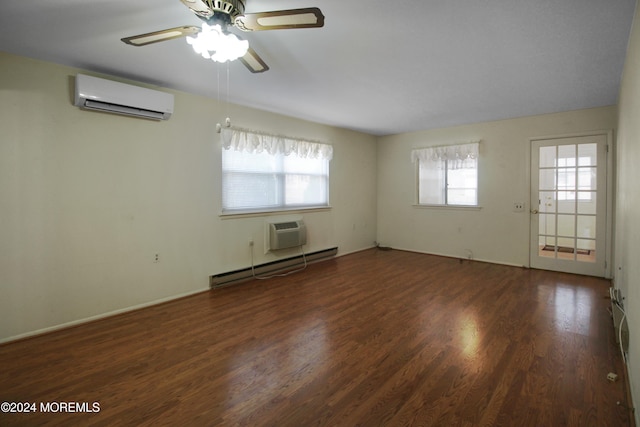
568 204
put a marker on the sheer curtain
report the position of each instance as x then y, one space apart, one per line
458 156
251 141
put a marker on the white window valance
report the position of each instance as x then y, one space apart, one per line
251 141
458 156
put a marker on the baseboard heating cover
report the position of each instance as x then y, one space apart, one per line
269 268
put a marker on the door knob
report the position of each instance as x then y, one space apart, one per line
534 211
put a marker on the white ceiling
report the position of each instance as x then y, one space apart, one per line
380 67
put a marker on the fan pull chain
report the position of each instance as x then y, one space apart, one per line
218 125
227 121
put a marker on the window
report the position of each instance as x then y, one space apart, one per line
586 172
263 172
447 175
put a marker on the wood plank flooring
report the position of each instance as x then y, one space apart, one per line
374 338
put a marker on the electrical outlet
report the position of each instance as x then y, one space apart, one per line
156 258
518 207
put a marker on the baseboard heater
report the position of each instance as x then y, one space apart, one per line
269 268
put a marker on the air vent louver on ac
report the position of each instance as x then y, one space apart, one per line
286 225
288 234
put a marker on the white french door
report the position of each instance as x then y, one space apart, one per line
569 204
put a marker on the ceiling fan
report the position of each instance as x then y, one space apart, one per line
219 15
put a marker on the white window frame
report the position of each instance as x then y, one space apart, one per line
279 152
447 158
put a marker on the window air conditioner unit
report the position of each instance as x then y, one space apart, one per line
108 96
288 234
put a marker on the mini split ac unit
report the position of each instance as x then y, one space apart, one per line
108 96
289 234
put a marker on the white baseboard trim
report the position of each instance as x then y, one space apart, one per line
98 316
186 294
462 258
354 251
631 404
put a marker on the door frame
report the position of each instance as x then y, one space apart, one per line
610 154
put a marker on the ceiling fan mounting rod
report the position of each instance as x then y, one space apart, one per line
233 8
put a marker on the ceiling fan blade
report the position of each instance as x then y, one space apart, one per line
310 17
160 36
253 62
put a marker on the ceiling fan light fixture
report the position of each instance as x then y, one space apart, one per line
213 43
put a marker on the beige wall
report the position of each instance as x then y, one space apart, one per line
87 199
627 274
493 233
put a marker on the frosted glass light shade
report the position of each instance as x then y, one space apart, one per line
212 43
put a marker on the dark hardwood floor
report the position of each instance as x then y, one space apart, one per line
373 338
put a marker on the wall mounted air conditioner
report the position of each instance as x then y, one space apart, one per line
288 234
108 96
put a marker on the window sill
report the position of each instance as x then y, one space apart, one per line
251 214
450 207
